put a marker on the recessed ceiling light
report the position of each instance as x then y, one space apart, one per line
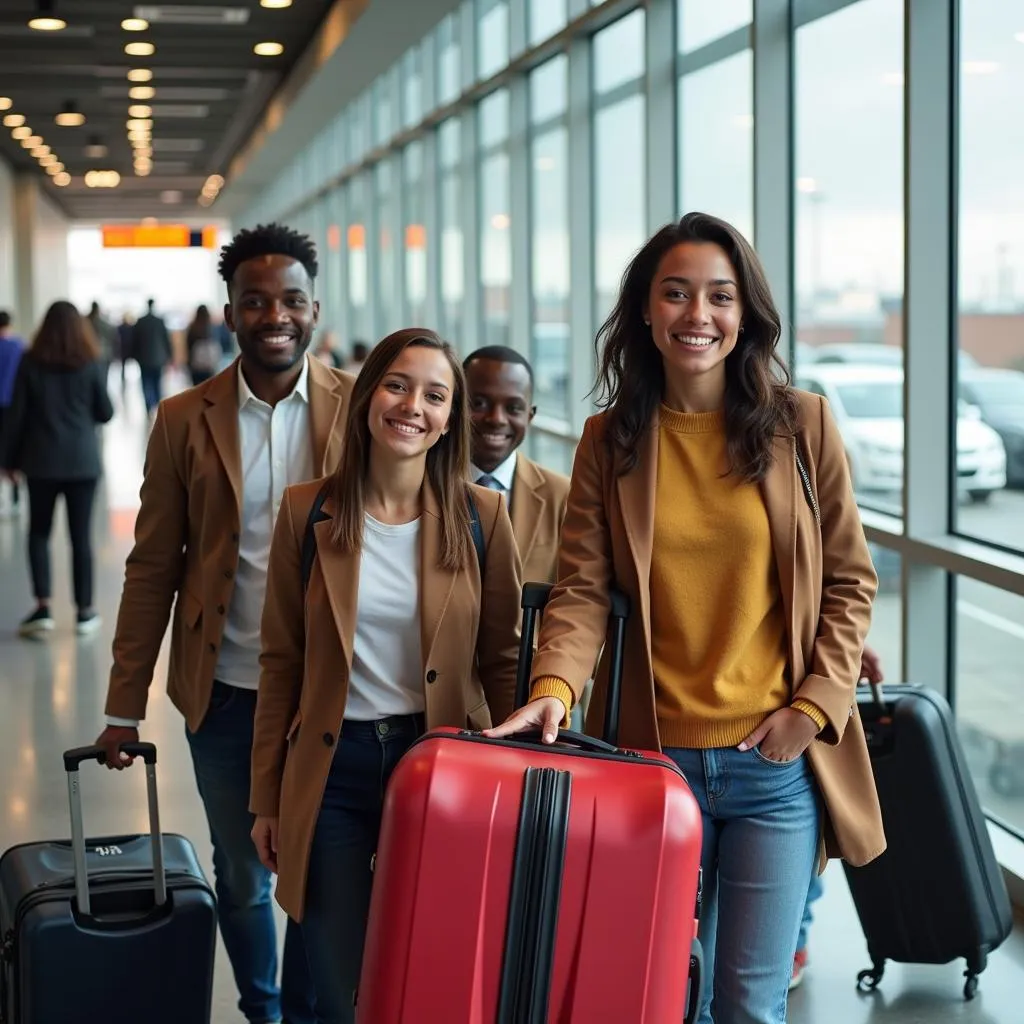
54 168
21 132
140 75
102 179
70 116
139 124
140 49
62 179
31 142
275 5
47 24
135 24
48 161
268 49
14 120
140 110
39 151
144 151
141 92
6 103
96 150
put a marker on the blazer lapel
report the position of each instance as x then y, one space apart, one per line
636 501
436 583
221 415
326 403
779 491
527 507
341 580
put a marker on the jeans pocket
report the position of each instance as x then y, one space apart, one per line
222 697
765 759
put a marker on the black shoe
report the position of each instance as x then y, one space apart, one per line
39 622
88 623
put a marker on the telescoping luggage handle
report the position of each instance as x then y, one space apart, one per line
535 597
72 761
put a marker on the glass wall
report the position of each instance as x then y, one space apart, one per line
500 202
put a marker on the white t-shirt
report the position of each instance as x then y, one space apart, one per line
387 659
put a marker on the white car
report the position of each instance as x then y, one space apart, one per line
867 402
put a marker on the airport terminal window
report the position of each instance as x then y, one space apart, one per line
555 453
989 653
448 63
492 37
495 220
990 462
849 228
384 108
620 53
698 23
450 219
546 18
885 636
549 238
360 320
414 235
716 141
412 87
386 203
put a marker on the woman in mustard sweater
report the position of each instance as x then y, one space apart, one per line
719 499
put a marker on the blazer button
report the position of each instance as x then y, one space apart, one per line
431 676
213 647
220 609
228 574
328 740
234 537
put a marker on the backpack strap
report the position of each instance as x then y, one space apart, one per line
316 515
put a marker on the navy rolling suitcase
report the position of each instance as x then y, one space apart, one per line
937 893
120 927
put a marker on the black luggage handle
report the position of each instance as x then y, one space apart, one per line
535 598
579 739
73 759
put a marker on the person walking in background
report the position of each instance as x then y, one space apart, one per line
11 349
125 330
360 350
202 347
151 349
105 334
60 396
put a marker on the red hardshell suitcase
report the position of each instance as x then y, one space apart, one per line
521 883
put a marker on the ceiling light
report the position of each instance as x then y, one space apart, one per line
139 124
102 179
140 110
69 117
95 150
275 5
205 200
31 142
268 49
62 179
14 120
47 24
54 168
141 92
6 103
46 158
40 151
140 75
140 49
214 183
22 132
143 169
135 24
144 151
170 195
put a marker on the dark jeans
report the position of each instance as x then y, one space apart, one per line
221 750
152 378
42 499
340 878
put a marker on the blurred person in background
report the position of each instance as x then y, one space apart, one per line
325 348
106 336
151 349
202 346
11 349
60 395
125 330
360 350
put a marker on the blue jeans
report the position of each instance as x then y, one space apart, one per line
813 893
760 842
340 875
152 385
221 755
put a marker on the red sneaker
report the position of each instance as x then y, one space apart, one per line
799 966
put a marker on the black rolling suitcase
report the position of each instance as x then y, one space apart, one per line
121 928
937 893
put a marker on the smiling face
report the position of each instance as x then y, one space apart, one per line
410 408
500 408
272 312
695 311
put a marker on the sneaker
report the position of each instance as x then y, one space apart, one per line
88 623
799 966
39 622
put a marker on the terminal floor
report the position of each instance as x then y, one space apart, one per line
51 698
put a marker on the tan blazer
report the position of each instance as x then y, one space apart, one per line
827 582
187 533
538 508
470 645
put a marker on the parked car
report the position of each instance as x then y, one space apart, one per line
999 396
867 402
864 354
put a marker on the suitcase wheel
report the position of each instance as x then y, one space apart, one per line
867 981
970 986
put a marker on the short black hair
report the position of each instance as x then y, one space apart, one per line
500 354
5 319
267 240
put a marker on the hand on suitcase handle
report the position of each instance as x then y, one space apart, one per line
117 746
98 752
543 715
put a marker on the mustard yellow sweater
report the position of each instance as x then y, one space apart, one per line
718 630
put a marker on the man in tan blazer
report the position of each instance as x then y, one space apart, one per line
219 458
500 383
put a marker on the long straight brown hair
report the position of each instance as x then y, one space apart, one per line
65 339
759 404
447 461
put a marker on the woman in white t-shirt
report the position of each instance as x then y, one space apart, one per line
387 613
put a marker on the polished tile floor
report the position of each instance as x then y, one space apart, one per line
51 698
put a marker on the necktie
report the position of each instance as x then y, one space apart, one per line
489 482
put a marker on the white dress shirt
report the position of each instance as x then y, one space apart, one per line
276 450
505 474
387 659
